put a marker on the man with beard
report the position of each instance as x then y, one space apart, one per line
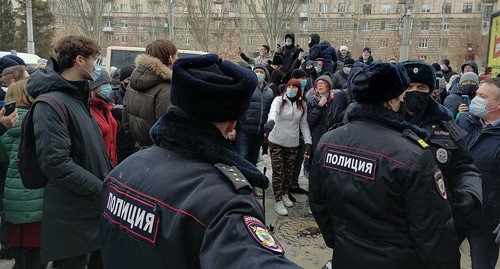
461 176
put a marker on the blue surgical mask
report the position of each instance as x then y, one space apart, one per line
260 77
303 83
94 75
318 69
288 43
347 70
478 107
291 93
105 90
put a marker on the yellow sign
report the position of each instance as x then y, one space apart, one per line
494 44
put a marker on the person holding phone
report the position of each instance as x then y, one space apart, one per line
7 120
468 85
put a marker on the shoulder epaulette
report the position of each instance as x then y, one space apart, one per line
238 181
414 137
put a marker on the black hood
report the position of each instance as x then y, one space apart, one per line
48 79
292 36
471 63
314 40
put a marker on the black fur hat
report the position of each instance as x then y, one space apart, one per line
420 72
378 82
207 88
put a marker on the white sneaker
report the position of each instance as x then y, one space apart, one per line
286 201
280 208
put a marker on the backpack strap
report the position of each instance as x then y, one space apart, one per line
56 104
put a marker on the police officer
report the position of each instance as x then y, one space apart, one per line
376 193
187 201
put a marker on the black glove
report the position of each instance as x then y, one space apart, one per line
268 126
496 231
307 151
463 202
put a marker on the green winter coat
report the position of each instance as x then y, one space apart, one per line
20 205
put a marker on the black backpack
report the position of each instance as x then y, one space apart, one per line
27 159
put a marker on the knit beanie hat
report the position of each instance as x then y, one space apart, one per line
378 82
277 60
420 72
17 59
263 67
469 76
349 62
325 78
102 79
210 89
6 62
343 48
298 73
126 72
367 49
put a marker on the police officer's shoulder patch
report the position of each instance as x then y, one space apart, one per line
133 213
261 234
441 187
235 176
414 137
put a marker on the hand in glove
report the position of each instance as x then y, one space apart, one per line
307 151
268 126
496 231
463 202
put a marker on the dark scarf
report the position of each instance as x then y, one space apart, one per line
176 130
384 116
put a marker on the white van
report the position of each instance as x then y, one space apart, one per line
28 58
119 57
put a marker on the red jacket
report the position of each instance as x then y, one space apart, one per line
108 125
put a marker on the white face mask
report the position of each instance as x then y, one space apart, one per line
478 107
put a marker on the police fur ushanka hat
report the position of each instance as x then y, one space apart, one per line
210 89
378 82
420 72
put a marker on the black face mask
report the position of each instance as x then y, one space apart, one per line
416 101
470 89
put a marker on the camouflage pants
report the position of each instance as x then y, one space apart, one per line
282 161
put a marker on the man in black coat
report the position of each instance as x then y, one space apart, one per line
187 201
73 157
375 192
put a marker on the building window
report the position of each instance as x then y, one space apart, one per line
140 24
109 38
426 8
367 9
303 25
486 25
287 25
186 40
425 25
466 26
447 8
341 7
252 8
340 25
467 8
124 24
443 42
422 57
386 8
304 7
366 26
383 43
218 24
323 8
233 7
487 10
218 10
140 8
253 25
123 8
107 7
323 24
423 43
124 38
445 26
383 25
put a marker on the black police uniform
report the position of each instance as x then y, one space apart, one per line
378 197
170 207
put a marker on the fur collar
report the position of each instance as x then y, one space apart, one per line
154 64
385 116
202 140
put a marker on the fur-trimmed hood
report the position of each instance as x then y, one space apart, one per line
150 71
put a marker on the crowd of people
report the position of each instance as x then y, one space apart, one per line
154 165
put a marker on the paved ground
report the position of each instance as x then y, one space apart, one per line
298 233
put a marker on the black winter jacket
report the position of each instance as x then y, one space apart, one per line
450 152
484 144
318 118
192 210
74 159
328 53
377 195
256 115
289 54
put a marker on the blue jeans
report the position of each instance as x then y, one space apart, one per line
248 146
483 249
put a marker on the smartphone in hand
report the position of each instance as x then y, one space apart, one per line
465 100
9 108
